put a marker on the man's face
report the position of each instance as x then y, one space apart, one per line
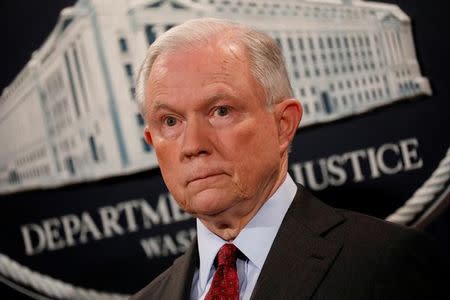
216 141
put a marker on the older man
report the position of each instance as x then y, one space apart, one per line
220 115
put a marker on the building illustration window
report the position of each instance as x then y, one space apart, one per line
123 45
75 97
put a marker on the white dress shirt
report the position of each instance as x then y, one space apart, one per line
254 241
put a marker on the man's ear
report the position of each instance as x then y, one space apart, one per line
148 136
289 113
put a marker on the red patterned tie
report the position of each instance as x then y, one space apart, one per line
225 283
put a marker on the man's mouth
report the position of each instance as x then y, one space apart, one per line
204 177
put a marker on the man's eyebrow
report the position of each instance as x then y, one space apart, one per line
219 97
158 105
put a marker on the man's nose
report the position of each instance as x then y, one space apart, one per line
196 140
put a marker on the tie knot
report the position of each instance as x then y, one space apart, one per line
227 255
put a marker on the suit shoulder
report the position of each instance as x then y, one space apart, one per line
376 228
390 238
356 229
399 258
155 288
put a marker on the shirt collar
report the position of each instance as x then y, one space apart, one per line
255 239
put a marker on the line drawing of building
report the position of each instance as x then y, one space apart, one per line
70 115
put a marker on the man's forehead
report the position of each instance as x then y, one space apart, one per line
223 47
213 62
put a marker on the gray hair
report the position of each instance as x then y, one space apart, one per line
265 58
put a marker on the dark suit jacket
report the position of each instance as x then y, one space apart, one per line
326 253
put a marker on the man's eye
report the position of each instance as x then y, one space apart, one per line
170 121
222 111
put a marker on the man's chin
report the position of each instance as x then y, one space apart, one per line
207 212
209 203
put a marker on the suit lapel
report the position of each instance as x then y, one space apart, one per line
179 286
299 256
